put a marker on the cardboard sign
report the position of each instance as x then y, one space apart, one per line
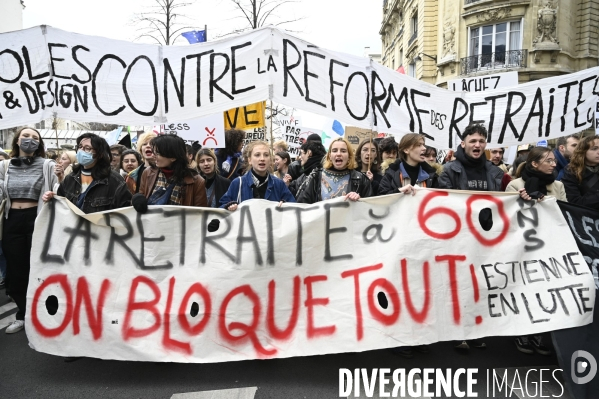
355 135
301 280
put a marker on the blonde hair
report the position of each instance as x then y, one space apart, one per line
72 156
247 154
351 162
282 144
143 140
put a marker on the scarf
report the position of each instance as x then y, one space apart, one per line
469 162
593 169
311 164
226 165
163 182
536 182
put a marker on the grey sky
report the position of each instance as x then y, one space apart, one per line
340 25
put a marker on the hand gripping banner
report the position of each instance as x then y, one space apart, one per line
300 279
46 71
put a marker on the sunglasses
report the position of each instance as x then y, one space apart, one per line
21 161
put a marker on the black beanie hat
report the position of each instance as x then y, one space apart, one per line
314 137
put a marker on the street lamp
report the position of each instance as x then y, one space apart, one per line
418 59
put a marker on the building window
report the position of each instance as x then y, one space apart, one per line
400 57
414 24
493 43
393 63
412 70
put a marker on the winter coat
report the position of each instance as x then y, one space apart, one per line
106 194
555 189
221 185
393 179
560 166
194 188
454 176
585 193
241 190
358 183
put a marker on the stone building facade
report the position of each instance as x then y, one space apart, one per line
440 40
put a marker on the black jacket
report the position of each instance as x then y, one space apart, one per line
454 176
221 185
108 193
358 183
391 182
585 193
295 169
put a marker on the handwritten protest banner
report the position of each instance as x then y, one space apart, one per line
44 70
301 279
295 136
208 131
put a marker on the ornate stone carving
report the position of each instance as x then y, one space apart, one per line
546 26
448 40
494 14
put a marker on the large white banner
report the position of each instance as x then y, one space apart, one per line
301 279
45 70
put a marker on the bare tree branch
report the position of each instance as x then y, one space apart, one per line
259 13
161 22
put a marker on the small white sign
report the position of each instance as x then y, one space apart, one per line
484 83
208 131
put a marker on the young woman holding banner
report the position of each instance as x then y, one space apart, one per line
410 169
257 182
172 182
535 179
338 177
23 181
581 178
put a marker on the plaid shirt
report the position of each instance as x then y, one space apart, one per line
178 191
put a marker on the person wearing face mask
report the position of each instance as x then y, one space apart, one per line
93 186
172 182
471 170
410 170
23 181
216 185
338 177
133 179
257 182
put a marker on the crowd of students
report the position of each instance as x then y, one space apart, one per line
165 171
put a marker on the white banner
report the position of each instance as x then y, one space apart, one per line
300 279
86 78
485 82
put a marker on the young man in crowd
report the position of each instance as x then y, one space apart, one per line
497 158
117 151
563 151
472 171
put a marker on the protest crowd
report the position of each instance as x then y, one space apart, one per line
163 170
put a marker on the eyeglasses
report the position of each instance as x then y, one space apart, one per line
551 161
87 149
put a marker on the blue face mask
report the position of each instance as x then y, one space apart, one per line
84 158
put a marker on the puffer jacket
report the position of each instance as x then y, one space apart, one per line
454 176
358 183
392 181
107 194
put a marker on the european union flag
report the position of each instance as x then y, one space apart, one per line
195 36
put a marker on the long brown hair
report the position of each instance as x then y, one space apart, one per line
41 150
578 158
407 142
374 163
537 154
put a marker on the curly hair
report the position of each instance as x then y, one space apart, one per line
375 163
41 149
388 144
474 129
578 159
351 162
233 139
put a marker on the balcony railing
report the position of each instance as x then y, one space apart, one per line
483 62
471 1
